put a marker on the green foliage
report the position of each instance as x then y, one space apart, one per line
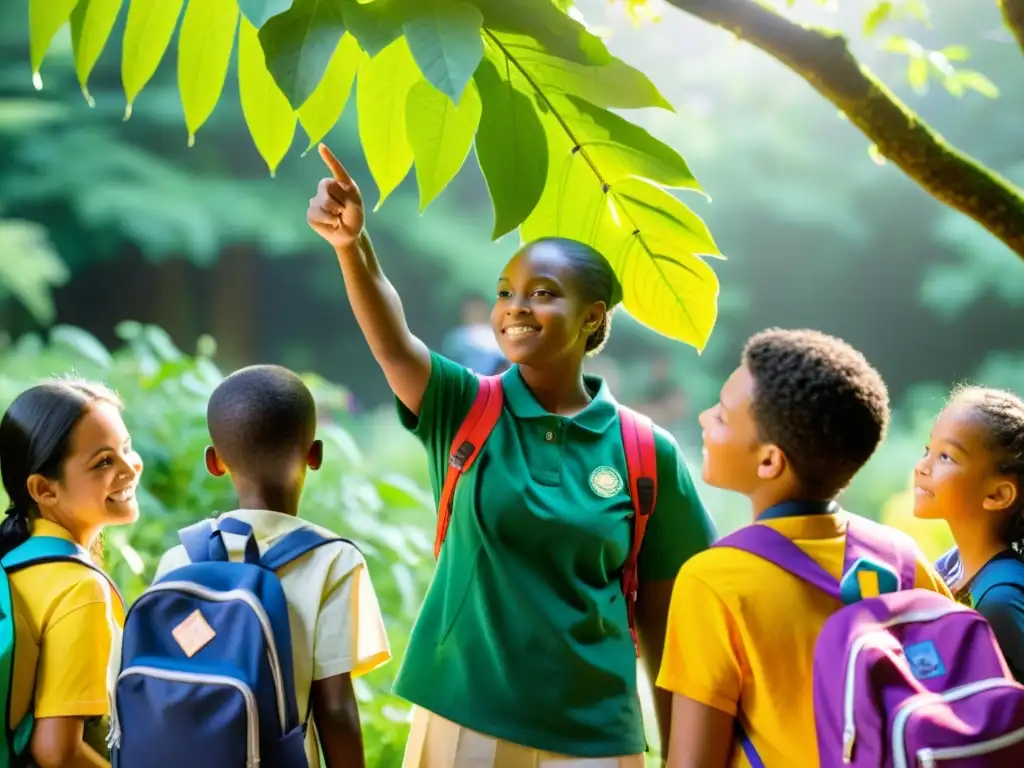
29 267
514 167
165 394
544 83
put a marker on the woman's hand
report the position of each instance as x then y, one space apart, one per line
336 211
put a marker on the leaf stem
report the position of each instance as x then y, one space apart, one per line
577 145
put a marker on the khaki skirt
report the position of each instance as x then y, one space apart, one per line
438 743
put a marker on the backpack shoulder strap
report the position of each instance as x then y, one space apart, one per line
765 542
642 469
1005 572
204 541
39 550
865 538
472 434
294 545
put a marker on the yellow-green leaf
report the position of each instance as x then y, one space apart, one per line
673 293
91 23
663 220
440 134
205 43
917 73
620 148
877 16
45 17
511 147
327 103
147 34
976 81
381 94
650 238
665 284
573 203
267 112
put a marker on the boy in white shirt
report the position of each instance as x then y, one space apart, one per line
262 420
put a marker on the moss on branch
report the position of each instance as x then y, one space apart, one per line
823 58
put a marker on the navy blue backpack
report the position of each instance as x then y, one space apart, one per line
206 664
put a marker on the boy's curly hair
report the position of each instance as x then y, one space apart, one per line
820 401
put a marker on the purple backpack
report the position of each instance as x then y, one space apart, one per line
905 679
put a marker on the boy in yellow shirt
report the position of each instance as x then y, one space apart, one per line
794 423
262 420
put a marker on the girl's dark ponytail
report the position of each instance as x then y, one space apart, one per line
14 529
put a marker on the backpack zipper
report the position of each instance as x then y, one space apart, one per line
249 599
929 757
899 725
849 691
252 749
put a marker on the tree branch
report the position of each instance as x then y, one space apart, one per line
824 60
1013 16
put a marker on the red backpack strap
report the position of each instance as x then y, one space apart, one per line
472 434
642 466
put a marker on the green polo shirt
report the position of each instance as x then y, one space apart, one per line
523 633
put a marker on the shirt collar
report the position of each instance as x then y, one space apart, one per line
267 524
43 527
596 417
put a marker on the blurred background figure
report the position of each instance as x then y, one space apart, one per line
472 341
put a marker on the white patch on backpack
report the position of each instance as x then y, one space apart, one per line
193 634
605 482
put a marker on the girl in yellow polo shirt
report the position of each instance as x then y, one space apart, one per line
69 470
522 654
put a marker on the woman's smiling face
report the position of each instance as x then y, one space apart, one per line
539 314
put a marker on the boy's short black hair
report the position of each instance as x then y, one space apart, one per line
820 401
260 418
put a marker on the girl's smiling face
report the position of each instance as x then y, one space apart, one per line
959 475
98 477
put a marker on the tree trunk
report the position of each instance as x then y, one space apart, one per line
824 60
1013 15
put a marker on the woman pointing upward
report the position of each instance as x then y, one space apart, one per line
522 653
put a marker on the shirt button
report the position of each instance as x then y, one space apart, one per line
549 436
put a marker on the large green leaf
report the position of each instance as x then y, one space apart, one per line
511 148
147 34
259 12
621 148
444 37
441 135
381 95
615 84
559 34
650 238
205 43
664 222
91 23
45 17
298 45
675 294
267 112
324 108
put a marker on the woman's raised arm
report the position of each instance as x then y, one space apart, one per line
336 214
